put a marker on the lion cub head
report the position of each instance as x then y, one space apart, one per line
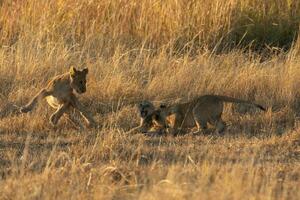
78 79
146 108
151 118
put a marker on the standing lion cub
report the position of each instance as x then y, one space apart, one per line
60 95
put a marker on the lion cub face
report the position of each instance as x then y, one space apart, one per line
151 118
78 79
146 108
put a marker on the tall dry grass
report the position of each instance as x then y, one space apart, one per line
105 25
164 51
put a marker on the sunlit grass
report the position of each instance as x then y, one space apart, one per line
163 51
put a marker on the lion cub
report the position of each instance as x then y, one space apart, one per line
59 94
198 112
150 119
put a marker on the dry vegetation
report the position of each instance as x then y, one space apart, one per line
162 51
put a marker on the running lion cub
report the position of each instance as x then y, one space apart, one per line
196 113
59 94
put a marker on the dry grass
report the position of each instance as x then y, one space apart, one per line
166 51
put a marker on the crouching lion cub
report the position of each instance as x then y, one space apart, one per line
196 113
151 121
59 94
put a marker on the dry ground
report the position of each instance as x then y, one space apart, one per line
164 52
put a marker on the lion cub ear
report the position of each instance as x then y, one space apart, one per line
85 70
73 71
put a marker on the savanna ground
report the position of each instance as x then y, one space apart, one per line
164 51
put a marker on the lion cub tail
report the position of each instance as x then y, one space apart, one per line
234 100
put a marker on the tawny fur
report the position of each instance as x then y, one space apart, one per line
197 113
59 94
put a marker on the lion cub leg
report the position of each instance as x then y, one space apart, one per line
200 121
174 124
58 113
201 124
220 126
87 117
76 123
42 94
